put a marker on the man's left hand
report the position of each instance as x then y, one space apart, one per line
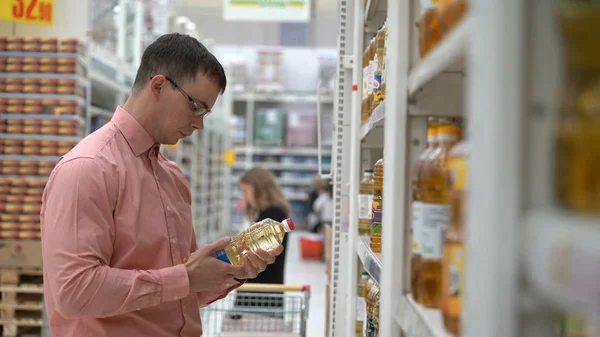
255 263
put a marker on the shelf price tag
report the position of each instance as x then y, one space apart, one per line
229 157
39 12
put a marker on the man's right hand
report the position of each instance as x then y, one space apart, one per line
207 273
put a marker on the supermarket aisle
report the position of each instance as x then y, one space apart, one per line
298 271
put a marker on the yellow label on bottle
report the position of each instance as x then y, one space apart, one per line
458 174
452 279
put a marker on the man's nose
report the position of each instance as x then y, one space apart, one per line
198 123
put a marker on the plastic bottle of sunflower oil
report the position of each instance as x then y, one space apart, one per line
266 235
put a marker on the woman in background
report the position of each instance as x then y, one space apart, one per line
264 199
311 216
323 206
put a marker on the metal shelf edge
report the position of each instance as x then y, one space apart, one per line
370 260
415 320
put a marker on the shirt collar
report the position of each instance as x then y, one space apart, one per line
137 137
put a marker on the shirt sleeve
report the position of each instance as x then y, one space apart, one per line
77 245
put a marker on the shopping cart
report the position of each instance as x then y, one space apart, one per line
258 310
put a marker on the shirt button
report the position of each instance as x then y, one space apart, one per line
185 259
168 209
176 298
173 241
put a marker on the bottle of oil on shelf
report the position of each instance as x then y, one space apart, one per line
368 299
429 26
372 310
377 209
361 304
417 202
365 90
378 94
371 74
435 218
266 235
365 203
453 266
578 132
376 313
451 13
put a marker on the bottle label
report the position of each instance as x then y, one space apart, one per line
377 83
417 225
370 328
457 174
371 76
365 202
435 222
361 309
376 217
221 255
452 279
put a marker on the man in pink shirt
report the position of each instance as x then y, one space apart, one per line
119 249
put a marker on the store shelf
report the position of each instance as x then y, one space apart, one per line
416 320
279 151
20 136
28 157
370 260
80 79
100 112
283 97
563 257
24 176
36 54
450 51
372 130
78 118
101 80
374 6
292 167
79 99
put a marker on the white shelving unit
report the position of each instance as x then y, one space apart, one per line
529 262
279 158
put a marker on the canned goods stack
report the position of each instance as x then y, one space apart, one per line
43 103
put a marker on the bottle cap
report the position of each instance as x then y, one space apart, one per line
288 224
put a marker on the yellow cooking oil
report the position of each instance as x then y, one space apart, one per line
266 235
577 168
435 217
417 201
365 203
377 209
361 304
453 266
372 310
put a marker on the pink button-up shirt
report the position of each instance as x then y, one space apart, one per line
116 230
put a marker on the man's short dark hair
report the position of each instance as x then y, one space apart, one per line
180 57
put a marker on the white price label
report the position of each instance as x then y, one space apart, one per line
365 206
435 222
361 309
417 226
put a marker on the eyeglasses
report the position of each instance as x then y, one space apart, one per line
197 109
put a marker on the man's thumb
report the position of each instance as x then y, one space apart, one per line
219 244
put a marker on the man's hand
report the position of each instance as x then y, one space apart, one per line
257 263
207 273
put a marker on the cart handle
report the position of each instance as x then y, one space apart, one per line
272 288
